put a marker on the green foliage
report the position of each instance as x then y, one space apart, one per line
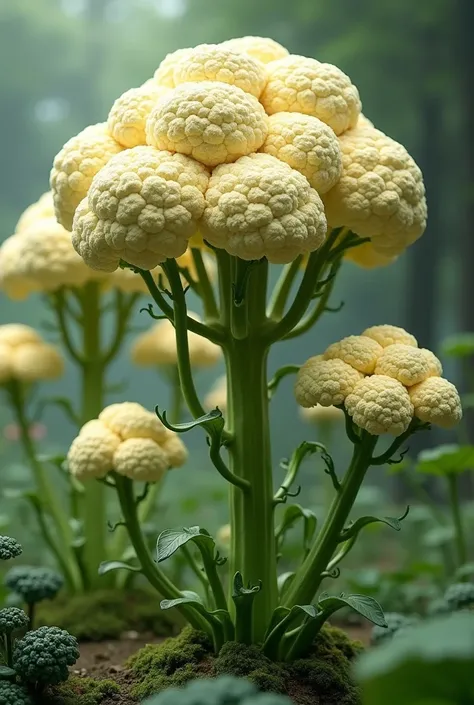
460 345
84 691
33 583
224 690
395 622
44 655
9 548
11 694
459 596
446 460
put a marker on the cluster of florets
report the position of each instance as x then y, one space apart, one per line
9 548
26 357
126 439
43 656
34 583
224 690
382 379
256 149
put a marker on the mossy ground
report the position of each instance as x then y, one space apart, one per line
82 691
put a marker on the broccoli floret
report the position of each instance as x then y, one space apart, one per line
42 656
34 584
437 607
11 694
395 621
225 690
9 548
12 620
459 596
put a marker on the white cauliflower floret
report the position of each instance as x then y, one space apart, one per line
380 194
175 450
42 208
263 49
129 113
141 459
15 334
164 74
32 362
358 351
407 364
130 420
325 382
302 85
260 207
380 404
211 121
307 145
387 335
436 401
142 208
366 256
91 454
74 167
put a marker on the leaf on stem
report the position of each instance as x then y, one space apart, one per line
359 524
280 374
213 418
109 566
170 540
446 460
292 514
284 580
362 604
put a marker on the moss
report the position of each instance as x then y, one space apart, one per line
81 691
248 661
106 614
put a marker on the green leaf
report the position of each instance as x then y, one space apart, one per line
446 460
359 524
239 589
460 345
309 610
185 600
292 514
284 580
109 566
363 604
465 572
170 540
6 673
213 418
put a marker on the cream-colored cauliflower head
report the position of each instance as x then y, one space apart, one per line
211 121
380 404
407 364
364 121
321 414
131 420
325 382
436 401
387 334
164 74
297 84
366 256
91 454
42 208
261 207
26 357
217 395
213 62
141 459
74 167
142 208
175 450
16 334
129 113
263 49
360 352
380 194
307 145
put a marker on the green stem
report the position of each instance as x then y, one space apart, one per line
210 566
320 308
198 572
279 297
308 578
460 534
9 650
205 287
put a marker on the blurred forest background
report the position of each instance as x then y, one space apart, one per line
63 62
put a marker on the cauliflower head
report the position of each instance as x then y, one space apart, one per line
211 121
436 401
298 84
164 74
380 404
131 420
217 395
380 194
24 356
366 256
142 208
91 454
263 49
141 459
44 655
261 207
307 145
408 364
74 167
325 382
16 334
386 335
358 351
42 208
127 118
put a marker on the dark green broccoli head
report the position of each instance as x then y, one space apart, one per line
9 548
34 584
11 694
225 690
395 621
459 596
43 655
12 620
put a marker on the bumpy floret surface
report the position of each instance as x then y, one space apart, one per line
380 404
44 655
263 49
141 459
387 334
358 351
325 382
437 401
408 364
91 453
131 420
128 115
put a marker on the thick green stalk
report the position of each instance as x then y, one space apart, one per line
456 513
307 580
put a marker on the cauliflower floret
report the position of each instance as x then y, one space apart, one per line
211 121
380 404
436 368
380 194
325 382
302 85
387 335
436 401
42 208
142 208
407 364
131 420
76 165
307 145
367 257
322 414
15 334
129 113
34 361
217 396
358 351
260 207
175 450
364 121
91 454
12 281
164 74
141 459
263 49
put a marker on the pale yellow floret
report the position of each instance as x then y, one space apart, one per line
12 283
211 121
36 361
380 404
15 334
364 121
307 145
91 454
360 352
141 459
223 535
141 208
437 401
434 364
131 420
213 62
75 166
321 414
262 48
129 113
302 85
261 207
175 450
387 334
5 362
367 257
217 396
164 74
407 364
42 208
380 194
325 382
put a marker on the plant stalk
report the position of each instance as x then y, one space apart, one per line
456 512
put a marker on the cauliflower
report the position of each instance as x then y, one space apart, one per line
325 382
322 414
16 334
42 208
260 207
217 396
43 656
223 690
408 364
11 694
213 62
131 420
263 49
380 194
157 346
436 401
34 584
360 352
141 459
211 121
175 450
387 335
142 208
307 145
380 404
128 115
12 620
164 74
364 121
297 84
366 256
24 356
9 548
91 454
76 165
